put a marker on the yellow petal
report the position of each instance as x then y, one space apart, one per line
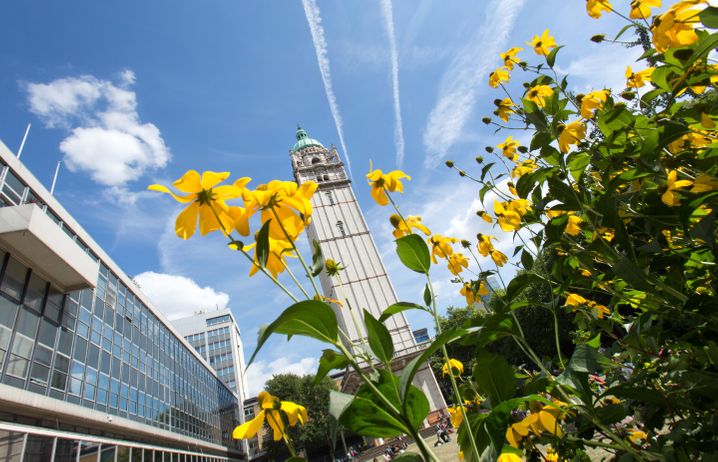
275 421
164 189
211 179
186 221
249 429
189 182
242 182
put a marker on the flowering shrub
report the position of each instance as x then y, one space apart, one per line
620 190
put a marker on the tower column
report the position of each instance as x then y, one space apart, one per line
339 227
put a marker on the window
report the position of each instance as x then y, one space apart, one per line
340 227
218 320
330 197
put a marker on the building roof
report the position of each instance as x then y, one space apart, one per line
303 140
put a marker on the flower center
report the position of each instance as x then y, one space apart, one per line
205 196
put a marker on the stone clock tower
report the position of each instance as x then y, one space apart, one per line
339 227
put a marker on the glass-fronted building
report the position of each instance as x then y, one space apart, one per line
89 369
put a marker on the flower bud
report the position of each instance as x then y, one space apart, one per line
497 102
449 163
479 159
462 173
395 219
465 244
523 149
598 38
489 149
486 120
332 267
579 98
620 105
628 95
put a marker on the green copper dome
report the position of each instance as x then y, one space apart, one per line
304 141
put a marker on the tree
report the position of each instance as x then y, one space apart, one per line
313 435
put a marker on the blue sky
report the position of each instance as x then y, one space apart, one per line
133 93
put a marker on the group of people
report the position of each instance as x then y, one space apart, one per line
443 428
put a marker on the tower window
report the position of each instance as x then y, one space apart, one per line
340 227
330 197
326 177
315 160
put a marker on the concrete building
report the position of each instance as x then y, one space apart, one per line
89 368
339 227
215 335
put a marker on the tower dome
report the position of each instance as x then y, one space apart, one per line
304 141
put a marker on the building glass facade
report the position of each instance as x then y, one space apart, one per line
103 348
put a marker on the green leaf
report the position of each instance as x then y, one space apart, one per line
398 307
329 361
495 378
368 415
518 284
263 244
623 29
577 163
295 459
551 57
709 17
308 318
427 296
527 260
317 260
413 253
407 375
588 360
704 47
338 403
379 338
485 169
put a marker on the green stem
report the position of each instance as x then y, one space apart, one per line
454 386
287 442
294 278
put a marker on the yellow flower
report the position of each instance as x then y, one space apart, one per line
509 57
670 197
499 76
593 101
573 228
381 183
539 94
485 216
638 79
456 263
704 183
692 140
509 219
595 8
454 367
522 206
512 188
637 436
271 410
468 292
575 300
504 108
585 273
551 455
542 45
461 456
407 225
600 310
484 245
206 202
455 415
286 203
508 457
641 9
508 148
674 28
527 166
607 234
499 258
441 246
572 133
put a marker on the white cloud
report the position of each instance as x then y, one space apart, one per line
467 73
260 371
314 18
107 139
602 67
388 15
178 296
